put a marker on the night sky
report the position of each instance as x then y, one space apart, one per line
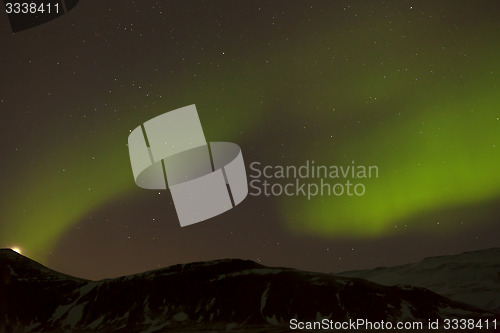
412 87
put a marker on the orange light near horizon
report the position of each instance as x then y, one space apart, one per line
16 249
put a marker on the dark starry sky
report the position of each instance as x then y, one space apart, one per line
411 87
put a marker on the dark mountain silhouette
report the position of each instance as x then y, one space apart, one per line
470 277
219 295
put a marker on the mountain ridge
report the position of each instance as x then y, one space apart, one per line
472 277
226 294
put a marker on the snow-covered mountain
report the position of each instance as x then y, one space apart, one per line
217 295
470 277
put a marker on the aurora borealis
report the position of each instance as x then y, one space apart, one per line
411 87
